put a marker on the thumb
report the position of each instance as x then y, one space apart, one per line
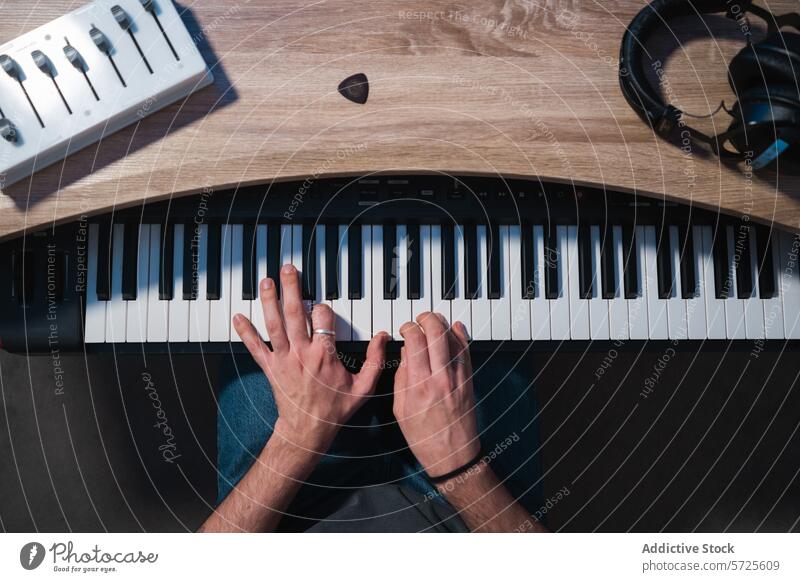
373 364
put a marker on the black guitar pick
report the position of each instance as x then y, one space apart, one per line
355 88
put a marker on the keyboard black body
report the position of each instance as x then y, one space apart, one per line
50 265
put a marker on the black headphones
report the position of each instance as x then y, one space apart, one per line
765 78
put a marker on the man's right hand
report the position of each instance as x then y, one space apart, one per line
434 401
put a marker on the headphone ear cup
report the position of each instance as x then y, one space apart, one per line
759 115
773 61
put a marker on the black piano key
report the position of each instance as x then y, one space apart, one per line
551 264
688 279
332 262
448 262
130 258
414 262
607 268
390 256
744 272
664 264
722 272
22 273
103 262
191 250
274 255
214 262
471 260
493 253
249 254
309 262
585 271
354 271
527 255
766 264
166 261
630 265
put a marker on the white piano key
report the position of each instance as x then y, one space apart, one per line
598 306
753 305
618 306
157 309
199 308
790 283
676 305
480 306
520 307
559 308
460 307
401 307
715 308
319 294
656 308
637 307
362 308
117 308
238 304
342 307
696 306
256 311
501 308
540 305
578 307
773 307
734 307
220 322
439 305
94 330
287 250
136 326
178 306
381 307
424 303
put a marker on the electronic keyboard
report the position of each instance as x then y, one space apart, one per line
517 261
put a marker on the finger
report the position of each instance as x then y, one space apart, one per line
273 320
460 353
251 340
419 367
436 336
322 317
400 384
367 378
294 312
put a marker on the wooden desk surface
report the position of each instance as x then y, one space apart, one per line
517 87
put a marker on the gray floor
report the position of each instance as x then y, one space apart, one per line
714 446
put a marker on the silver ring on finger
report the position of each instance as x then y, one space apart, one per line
459 360
321 331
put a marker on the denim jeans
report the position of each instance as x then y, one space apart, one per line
370 451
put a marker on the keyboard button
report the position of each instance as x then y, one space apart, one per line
136 326
355 255
676 305
214 262
220 315
540 306
238 281
130 254
342 305
664 260
585 261
190 261
618 305
637 306
274 255
578 306
687 263
309 251
440 304
494 251
94 330
460 308
766 264
630 265
414 260
744 264
481 308
656 306
598 306
754 306
332 262
447 243
790 283
401 305
249 283
734 306
390 259
607 266
696 304
200 306
528 259
178 328
471 260
501 306
424 302
714 275
103 285
362 301
773 306
158 307
520 305
117 311
558 260
381 307
551 260
166 260
722 268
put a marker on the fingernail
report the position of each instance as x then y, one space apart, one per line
267 284
287 269
238 318
442 319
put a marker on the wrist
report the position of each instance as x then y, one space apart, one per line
473 482
308 439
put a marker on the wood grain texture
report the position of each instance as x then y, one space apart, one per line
520 88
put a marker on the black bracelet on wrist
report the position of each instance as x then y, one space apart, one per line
461 469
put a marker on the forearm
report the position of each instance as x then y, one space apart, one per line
485 504
257 503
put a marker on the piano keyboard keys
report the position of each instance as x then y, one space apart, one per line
213 262
790 284
520 310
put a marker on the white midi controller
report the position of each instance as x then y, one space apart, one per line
85 75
